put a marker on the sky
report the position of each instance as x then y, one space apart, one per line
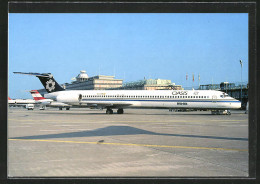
131 46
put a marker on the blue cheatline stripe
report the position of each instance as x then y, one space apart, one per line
159 100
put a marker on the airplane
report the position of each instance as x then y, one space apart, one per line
39 99
216 101
27 103
20 101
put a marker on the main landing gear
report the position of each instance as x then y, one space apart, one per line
67 108
120 111
110 111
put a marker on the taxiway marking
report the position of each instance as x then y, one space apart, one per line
119 121
129 144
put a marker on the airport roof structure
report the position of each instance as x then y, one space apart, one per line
149 82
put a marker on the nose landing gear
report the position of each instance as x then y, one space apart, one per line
221 112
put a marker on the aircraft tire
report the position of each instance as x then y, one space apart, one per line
109 111
120 111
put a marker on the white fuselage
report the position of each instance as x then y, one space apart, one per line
178 99
21 101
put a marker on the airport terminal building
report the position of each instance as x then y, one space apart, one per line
151 84
99 82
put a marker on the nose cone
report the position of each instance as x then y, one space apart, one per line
238 105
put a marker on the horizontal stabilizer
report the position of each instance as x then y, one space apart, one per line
36 74
47 81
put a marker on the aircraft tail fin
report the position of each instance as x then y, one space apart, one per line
47 81
9 98
36 95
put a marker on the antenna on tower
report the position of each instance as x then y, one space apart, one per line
114 71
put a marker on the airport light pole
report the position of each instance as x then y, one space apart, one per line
241 63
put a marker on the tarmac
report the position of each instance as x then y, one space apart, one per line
138 143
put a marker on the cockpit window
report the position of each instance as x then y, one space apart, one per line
224 95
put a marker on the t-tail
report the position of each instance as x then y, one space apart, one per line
47 81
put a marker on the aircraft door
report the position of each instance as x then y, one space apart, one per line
214 98
80 97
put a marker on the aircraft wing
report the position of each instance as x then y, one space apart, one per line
104 104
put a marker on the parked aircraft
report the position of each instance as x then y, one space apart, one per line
20 101
121 99
27 103
39 99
